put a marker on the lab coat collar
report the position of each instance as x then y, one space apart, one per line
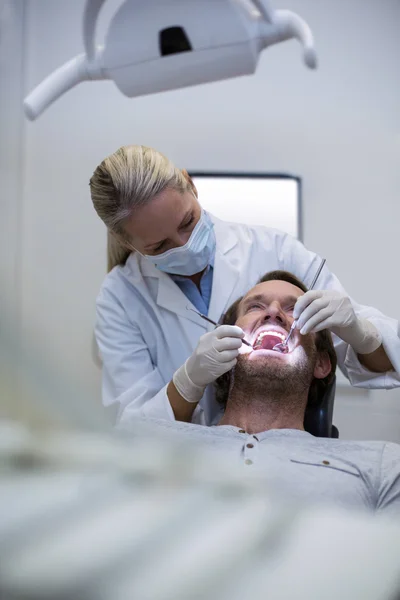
168 294
171 297
226 239
226 272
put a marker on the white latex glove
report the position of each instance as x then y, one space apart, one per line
216 353
330 309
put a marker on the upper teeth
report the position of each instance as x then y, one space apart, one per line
274 333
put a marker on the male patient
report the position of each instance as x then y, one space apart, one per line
265 399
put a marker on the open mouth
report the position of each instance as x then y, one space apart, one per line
267 339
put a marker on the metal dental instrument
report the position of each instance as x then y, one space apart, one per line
283 346
214 323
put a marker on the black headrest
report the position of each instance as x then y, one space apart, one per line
318 418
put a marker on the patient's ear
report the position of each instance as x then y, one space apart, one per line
190 180
323 365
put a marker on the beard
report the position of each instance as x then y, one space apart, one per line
276 379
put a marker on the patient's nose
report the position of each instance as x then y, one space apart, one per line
274 312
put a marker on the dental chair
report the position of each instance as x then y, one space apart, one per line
318 418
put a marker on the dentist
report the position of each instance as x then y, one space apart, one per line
166 253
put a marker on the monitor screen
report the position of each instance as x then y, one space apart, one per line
272 200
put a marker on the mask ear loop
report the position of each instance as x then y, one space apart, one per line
123 242
132 248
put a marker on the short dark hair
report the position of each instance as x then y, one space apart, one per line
323 343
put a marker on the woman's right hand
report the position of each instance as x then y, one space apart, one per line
216 353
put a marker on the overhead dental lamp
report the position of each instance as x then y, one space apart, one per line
158 45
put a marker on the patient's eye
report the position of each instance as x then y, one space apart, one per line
255 306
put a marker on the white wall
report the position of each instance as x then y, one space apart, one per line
11 168
338 128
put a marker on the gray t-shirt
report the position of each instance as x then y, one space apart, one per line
306 468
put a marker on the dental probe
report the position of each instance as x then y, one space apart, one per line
214 323
282 347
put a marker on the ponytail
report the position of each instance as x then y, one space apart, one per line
117 253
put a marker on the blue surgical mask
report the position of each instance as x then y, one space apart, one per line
194 256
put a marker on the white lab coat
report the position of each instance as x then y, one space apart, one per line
145 332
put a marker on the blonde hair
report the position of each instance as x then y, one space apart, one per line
125 181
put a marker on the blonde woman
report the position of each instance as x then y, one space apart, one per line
165 254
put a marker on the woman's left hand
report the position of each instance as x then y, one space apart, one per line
331 309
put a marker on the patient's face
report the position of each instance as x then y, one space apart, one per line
265 314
